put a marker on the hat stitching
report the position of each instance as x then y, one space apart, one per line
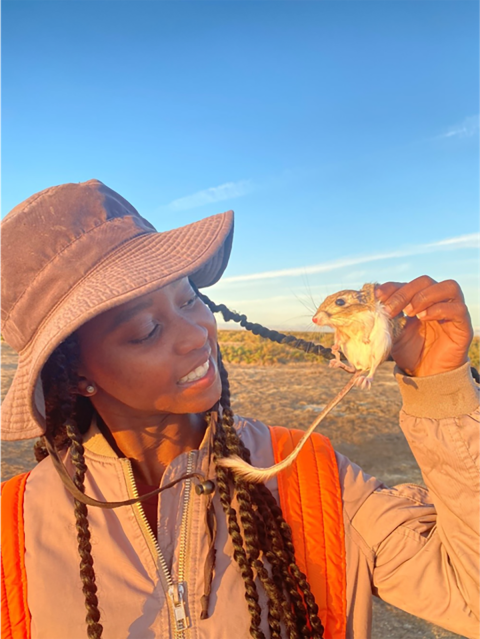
31 201
57 255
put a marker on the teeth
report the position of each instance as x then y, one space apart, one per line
197 373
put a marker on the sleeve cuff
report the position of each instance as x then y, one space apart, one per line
450 394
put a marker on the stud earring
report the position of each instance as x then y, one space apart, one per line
90 389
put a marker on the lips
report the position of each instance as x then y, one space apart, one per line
198 372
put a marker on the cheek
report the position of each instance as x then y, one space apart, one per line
127 378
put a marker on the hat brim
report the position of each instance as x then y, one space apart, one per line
145 263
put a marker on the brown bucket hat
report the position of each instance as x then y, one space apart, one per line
73 251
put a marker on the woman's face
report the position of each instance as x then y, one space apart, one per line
155 354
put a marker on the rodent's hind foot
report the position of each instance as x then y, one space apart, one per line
365 383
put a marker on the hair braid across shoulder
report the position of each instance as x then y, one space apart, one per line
239 554
60 387
87 573
264 535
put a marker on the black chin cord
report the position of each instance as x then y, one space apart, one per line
89 501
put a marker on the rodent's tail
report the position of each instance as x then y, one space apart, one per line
257 475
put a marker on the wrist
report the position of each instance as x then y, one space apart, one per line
444 394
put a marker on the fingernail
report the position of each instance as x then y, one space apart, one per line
422 314
378 293
388 309
408 310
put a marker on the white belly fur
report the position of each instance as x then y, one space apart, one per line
367 356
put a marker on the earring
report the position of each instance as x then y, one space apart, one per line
90 389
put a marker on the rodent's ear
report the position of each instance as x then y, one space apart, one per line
368 291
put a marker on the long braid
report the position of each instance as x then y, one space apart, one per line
60 386
292 606
87 573
239 554
247 516
300 578
263 331
273 538
275 590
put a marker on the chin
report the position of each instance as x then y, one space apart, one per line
207 402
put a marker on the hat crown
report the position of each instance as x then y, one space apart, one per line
59 230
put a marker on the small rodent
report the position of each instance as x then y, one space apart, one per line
364 333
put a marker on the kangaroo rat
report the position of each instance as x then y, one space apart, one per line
364 333
363 330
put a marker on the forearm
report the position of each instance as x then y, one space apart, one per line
440 419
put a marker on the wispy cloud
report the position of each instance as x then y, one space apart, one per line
466 129
226 191
462 242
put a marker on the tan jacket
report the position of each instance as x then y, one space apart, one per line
414 548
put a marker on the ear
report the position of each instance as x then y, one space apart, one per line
85 387
368 291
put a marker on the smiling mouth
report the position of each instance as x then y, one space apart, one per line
196 374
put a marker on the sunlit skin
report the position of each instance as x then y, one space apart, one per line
135 355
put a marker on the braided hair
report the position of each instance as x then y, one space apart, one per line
63 410
262 539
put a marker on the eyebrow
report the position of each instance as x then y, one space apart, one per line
127 314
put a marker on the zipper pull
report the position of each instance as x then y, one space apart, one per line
176 592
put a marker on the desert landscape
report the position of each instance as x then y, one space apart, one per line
364 426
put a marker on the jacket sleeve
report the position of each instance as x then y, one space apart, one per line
425 542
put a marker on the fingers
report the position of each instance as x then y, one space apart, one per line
425 298
445 311
404 295
383 291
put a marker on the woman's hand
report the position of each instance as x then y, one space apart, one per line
439 330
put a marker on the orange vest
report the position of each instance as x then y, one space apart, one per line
311 502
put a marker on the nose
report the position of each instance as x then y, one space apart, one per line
190 336
320 318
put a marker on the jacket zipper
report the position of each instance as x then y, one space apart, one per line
175 589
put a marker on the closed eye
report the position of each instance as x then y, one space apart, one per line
191 301
140 340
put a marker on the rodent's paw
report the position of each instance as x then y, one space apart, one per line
365 383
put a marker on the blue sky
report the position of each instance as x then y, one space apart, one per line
343 134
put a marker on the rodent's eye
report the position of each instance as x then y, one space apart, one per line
340 302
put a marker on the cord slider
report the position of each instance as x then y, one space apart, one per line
206 487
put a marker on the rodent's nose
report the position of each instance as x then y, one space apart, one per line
321 318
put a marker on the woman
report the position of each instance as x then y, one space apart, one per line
120 375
